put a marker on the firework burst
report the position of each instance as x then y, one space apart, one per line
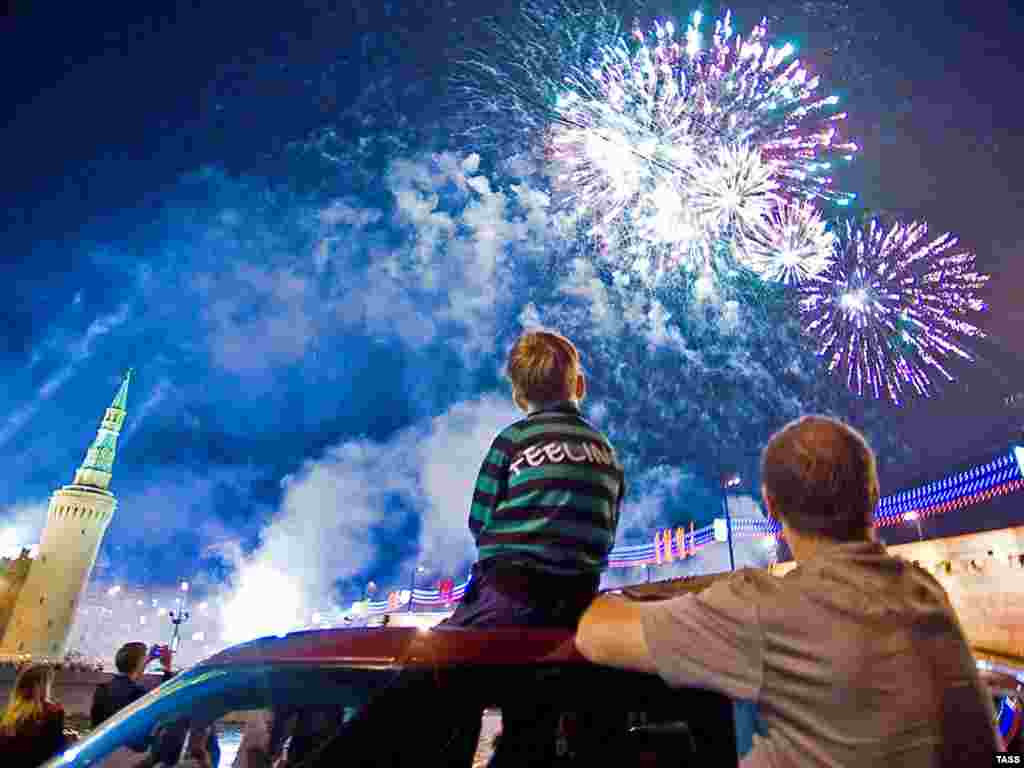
791 245
892 307
733 191
673 144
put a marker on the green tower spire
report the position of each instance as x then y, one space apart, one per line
121 400
98 464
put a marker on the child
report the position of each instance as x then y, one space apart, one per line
544 515
547 499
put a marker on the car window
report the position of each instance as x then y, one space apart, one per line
585 715
158 725
312 717
575 715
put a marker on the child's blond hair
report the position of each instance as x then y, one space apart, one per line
543 367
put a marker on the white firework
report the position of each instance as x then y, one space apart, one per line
732 191
674 146
791 245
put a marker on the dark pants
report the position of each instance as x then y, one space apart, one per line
502 595
506 595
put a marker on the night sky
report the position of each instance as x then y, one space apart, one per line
300 403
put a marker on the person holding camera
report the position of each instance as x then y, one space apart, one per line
125 687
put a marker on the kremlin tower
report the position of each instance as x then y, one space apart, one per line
77 518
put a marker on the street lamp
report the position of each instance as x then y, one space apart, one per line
179 617
733 481
412 587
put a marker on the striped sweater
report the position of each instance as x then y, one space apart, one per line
548 494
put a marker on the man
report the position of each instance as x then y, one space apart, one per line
125 687
855 658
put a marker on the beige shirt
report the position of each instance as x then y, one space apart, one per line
855 658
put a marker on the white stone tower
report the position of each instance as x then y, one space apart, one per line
77 518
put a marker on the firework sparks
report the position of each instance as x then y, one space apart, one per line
892 307
675 146
791 245
733 191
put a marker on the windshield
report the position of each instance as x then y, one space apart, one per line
305 716
221 698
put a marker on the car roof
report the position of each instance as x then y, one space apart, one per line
398 647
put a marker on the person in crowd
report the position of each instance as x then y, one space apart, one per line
854 658
32 727
544 514
126 686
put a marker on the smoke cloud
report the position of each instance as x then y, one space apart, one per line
21 527
345 512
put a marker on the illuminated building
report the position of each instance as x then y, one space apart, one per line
76 520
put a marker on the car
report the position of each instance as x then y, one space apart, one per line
396 696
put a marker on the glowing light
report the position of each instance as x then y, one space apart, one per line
791 245
721 529
677 151
892 305
911 516
732 190
12 543
856 301
267 602
184 586
1018 452
113 591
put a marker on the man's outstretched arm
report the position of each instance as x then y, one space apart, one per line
711 639
611 633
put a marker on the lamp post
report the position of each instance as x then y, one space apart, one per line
412 585
730 482
179 617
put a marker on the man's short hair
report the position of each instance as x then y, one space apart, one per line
543 366
128 657
822 478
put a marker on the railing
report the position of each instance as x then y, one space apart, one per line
1001 476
